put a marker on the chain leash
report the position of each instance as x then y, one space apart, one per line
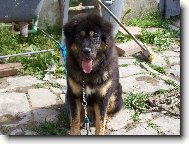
84 103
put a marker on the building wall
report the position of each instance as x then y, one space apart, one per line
50 14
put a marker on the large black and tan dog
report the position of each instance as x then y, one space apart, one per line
92 57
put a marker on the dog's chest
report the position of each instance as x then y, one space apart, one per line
90 91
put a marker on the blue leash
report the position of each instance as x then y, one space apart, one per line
62 47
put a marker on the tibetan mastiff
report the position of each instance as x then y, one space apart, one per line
93 59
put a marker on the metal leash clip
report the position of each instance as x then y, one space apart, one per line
86 121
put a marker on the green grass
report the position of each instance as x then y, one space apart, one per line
58 128
34 64
161 38
150 20
160 69
49 128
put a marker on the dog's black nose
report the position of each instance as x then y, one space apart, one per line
87 51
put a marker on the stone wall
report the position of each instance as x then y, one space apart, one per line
139 8
50 14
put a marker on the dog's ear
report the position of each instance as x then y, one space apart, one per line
69 28
105 28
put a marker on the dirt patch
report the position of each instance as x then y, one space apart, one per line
3 83
22 89
6 119
148 79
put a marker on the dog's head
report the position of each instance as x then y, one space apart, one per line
86 35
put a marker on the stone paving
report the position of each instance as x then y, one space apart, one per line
23 104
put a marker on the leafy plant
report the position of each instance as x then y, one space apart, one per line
158 68
135 101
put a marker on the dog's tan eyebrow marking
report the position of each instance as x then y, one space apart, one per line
91 33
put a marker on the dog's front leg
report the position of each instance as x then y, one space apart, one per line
101 117
75 111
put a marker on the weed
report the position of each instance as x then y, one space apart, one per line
47 84
160 91
172 83
137 98
160 69
152 74
135 101
156 127
123 65
121 38
136 115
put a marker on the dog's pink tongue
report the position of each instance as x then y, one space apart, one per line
87 66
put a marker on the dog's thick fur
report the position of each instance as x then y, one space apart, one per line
102 87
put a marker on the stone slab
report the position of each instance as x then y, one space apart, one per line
174 60
120 120
136 31
129 48
56 91
171 54
142 83
142 129
41 97
130 70
126 60
13 103
145 117
159 59
22 81
168 125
